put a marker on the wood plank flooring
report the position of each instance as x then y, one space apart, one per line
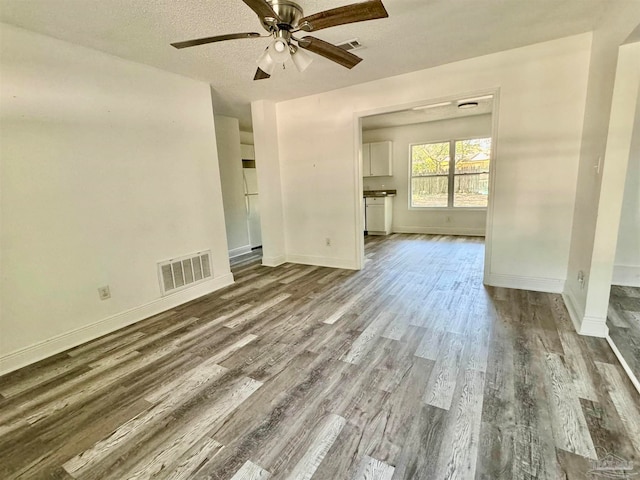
623 320
409 369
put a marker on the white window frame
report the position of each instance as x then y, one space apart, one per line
451 175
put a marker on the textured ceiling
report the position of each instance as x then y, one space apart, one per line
418 34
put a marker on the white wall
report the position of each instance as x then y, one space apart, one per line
263 114
453 221
625 119
541 107
107 167
246 138
230 160
620 21
626 269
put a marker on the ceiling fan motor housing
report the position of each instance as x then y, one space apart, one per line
289 12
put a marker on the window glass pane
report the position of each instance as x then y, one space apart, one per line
471 190
472 156
429 191
430 159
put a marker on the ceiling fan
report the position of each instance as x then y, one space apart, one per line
283 18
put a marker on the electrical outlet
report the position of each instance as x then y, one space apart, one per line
104 292
581 279
327 242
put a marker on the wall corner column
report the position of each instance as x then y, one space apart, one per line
265 134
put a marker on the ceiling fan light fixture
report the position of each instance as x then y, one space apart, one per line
279 50
301 60
279 45
266 63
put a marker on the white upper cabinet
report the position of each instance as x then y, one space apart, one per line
366 160
380 153
377 159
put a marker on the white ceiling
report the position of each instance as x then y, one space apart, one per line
635 36
418 34
437 112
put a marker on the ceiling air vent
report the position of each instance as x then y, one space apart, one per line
350 45
179 273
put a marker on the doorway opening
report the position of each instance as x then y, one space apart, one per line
428 168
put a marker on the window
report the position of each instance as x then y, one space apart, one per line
438 182
430 175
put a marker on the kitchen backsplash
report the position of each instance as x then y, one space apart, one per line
378 183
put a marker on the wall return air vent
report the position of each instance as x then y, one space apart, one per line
179 273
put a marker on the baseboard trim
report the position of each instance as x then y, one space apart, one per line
41 350
536 284
467 232
594 327
236 252
575 313
625 365
323 261
626 275
584 324
273 261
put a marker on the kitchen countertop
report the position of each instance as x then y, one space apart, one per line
379 193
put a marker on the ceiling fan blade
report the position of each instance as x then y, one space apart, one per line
262 8
261 75
356 12
218 38
330 51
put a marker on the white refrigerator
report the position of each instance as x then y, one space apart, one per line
252 203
